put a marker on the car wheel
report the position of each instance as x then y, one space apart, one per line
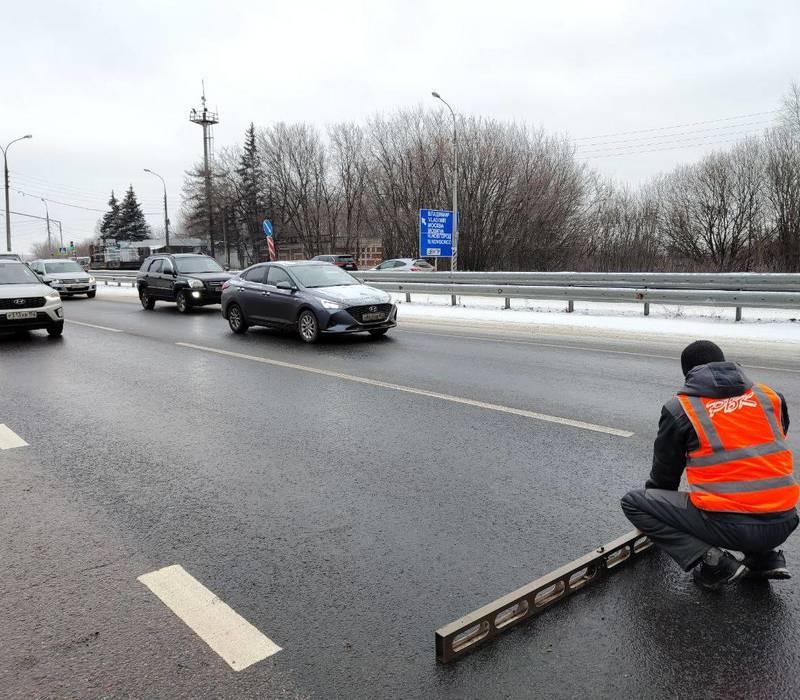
183 302
236 319
308 326
91 295
56 329
148 303
378 332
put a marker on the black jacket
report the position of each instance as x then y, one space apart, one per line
676 436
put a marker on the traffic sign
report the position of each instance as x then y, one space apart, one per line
435 233
267 226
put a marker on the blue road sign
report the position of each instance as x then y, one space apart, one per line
435 233
267 225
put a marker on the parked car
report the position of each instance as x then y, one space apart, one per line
66 276
404 265
346 262
26 303
188 279
15 257
312 296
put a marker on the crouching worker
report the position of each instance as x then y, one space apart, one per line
729 436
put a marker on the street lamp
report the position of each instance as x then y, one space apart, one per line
5 172
454 259
166 215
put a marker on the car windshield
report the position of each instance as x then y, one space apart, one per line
312 276
344 258
16 273
198 263
62 266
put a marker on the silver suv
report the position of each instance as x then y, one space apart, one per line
26 303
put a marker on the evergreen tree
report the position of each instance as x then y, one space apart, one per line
250 175
132 225
109 224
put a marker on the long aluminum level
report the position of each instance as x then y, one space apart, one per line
481 626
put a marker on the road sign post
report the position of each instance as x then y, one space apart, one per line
435 233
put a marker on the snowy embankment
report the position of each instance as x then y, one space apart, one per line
782 325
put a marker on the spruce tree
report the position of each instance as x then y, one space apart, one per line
109 224
132 224
251 186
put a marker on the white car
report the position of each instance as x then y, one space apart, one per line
11 256
26 303
67 276
404 265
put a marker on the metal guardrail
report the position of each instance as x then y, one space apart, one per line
483 625
736 290
116 277
730 281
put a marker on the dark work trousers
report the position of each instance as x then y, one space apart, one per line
686 533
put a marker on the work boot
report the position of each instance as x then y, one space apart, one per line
770 564
713 576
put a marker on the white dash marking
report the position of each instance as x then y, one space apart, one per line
222 628
93 325
422 392
9 439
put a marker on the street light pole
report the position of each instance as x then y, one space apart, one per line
454 259
166 214
47 214
5 172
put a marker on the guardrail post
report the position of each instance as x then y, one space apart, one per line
508 303
647 308
119 284
452 300
738 313
570 306
408 297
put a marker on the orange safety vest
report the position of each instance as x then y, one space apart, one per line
743 464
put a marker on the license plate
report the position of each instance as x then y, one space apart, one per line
379 316
20 315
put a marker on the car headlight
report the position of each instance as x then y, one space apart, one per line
92 280
56 281
53 295
195 284
331 304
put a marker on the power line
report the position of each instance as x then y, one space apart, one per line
678 126
646 147
648 140
657 150
43 182
77 206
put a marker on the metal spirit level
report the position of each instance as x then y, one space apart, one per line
481 626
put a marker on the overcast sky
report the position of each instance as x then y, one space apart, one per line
106 87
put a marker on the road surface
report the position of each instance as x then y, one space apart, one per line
346 500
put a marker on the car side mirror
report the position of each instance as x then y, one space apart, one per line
227 268
286 286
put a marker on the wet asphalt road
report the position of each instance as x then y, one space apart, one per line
348 521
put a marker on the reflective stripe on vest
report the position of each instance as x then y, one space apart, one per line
754 473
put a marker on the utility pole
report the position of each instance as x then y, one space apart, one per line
166 213
47 214
5 172
454 259
206 119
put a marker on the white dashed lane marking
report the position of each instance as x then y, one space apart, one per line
93 325
9 439
421 392
238 643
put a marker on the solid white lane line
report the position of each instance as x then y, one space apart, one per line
222 628
9 439
574 347
93 325
420 392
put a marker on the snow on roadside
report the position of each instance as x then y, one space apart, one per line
757 324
